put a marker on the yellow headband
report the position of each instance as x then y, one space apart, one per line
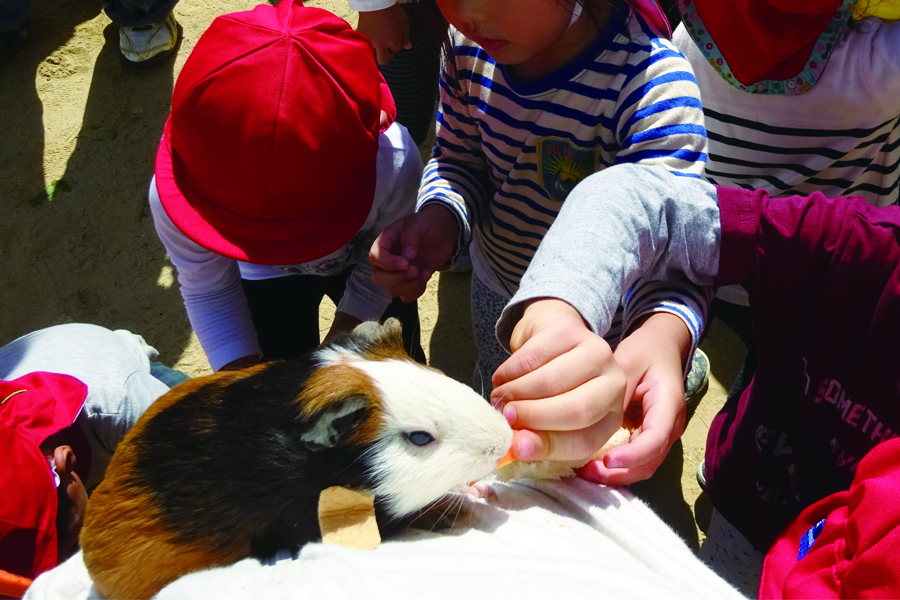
886 10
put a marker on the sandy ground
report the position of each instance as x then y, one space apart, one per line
78 134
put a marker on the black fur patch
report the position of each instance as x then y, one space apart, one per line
227 463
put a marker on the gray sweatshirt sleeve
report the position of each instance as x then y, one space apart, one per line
622 223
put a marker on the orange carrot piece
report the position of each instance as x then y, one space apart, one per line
506 459
12 584
510 456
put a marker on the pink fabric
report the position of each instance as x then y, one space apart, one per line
651 11
823 276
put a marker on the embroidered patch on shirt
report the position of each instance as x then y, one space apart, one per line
563 165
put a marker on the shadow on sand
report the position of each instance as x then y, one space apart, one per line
84 248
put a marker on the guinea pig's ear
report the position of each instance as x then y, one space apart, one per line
381 340
328 426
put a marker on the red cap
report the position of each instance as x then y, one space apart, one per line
32 408
761 40
269 153
855 553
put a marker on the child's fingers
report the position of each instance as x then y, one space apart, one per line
564 445
663 423
536 353
386 251
392 280
561 374
416 289
597 472
571 410
401 284
648 447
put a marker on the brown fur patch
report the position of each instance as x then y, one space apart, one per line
336 382
127 551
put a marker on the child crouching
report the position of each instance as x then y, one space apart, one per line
277 170
68 396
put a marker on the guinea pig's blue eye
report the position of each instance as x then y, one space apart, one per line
419 438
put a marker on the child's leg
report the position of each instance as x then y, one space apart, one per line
285 311
408 315
169 376
486 308
412 75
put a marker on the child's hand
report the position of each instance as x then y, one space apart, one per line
561 386
387 29
652 358
409 250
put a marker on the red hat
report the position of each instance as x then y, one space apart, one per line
269 153
767 46
847 545
32 408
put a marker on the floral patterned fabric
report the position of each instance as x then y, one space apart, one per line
797 84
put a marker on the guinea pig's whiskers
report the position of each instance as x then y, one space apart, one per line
437 523
426 512
454 507
458 507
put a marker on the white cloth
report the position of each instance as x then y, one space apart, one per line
551 539
115 366
211 283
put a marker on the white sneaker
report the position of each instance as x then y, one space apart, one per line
148 45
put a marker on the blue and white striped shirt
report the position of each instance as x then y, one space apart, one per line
508 152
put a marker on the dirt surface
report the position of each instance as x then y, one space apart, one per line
79 134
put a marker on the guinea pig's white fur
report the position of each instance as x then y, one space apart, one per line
470 436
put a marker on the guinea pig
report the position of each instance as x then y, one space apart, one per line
231 465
